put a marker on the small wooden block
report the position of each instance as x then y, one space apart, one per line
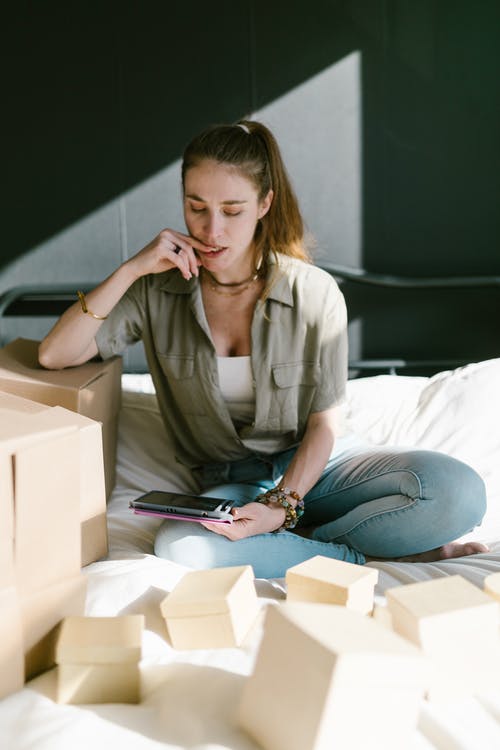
492 586
444 613
211 608
98 659
328 581
327 677
456 626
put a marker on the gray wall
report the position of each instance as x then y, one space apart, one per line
386 110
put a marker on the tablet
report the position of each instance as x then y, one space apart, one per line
183 507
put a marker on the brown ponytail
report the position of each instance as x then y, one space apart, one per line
252 149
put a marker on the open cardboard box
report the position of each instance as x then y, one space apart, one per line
92 389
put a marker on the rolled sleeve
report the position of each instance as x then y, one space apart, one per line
124 324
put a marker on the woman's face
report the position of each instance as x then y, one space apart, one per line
221 208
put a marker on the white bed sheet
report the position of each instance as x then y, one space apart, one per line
190 697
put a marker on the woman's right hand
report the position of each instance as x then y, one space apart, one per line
168 250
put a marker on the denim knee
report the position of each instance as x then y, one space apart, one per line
457 488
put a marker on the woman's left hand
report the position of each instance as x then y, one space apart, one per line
249 520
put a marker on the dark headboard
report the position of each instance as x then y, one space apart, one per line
418 325
396 324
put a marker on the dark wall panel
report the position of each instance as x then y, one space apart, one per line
60 104
102 95
431 123
183 66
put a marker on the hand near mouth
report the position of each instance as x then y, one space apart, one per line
169 249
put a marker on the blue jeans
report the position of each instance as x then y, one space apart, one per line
368 501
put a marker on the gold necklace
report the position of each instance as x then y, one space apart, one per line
248 280
218 287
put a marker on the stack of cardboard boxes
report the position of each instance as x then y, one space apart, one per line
52 499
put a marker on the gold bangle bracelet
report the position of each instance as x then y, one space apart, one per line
85 309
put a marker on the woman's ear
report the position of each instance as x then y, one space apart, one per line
266 204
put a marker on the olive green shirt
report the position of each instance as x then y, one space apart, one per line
299 359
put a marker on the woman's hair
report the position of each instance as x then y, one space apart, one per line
252 150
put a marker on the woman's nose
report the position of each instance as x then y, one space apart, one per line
213 227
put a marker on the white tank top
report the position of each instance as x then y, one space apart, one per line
236 384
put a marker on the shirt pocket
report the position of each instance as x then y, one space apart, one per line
294 385
184 386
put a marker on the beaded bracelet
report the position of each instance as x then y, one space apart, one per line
300 503
292 514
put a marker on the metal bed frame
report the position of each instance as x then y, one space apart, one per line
53 299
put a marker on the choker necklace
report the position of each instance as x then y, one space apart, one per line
237 287
248 280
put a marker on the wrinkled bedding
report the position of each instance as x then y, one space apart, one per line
190 698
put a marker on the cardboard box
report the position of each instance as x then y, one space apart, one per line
11 644
42 612
98 659
7 575
92 513
456 626
40 498
92 389
327 677
492 586
211 608
94 534
328 581
39 533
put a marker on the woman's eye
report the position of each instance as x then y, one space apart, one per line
197 210
232 213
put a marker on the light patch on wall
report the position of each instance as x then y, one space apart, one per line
319 128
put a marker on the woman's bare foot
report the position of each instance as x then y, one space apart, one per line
446 552
456 549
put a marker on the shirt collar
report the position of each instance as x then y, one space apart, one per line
281 289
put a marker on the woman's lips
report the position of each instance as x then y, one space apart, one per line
213 252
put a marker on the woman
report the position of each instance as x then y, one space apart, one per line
247 346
